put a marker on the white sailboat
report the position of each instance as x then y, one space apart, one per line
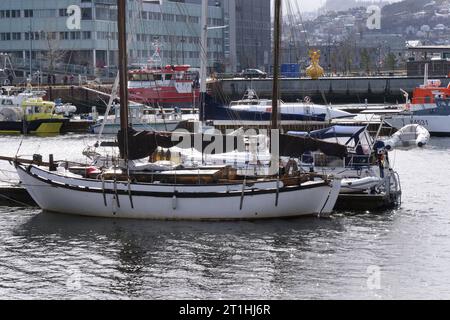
204 193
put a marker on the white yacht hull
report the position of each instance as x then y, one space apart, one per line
436 125
68 195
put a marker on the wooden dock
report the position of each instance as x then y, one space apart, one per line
78 126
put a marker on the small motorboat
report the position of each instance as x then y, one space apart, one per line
408 137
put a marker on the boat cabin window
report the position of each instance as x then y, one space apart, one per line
157 77
138 77
427 99
168 77
33 110
6 102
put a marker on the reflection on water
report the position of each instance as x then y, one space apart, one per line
42 255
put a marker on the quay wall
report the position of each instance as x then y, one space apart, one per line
322 91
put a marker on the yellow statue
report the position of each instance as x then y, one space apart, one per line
315 71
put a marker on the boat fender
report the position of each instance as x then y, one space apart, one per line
103 191
116 193
174 202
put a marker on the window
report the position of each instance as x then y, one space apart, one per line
63 13
5 36
87 35
181 18
15 13
168 17
5 14
64 35
51 35
28 13
75 35
86 14
17 36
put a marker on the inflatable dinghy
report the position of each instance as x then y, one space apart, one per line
411 136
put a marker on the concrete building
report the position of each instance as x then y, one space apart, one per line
80 36
247 39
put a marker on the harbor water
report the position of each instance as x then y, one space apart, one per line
398 254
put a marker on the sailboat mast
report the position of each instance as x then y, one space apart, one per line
123 72
276 64
203 58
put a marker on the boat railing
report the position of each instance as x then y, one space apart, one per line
351 161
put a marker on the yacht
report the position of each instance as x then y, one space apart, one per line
252 108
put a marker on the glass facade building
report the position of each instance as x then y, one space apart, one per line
81 35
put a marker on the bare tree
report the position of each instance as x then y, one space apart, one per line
53 53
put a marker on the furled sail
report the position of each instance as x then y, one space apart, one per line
144 143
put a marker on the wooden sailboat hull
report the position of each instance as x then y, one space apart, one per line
114 128
57 193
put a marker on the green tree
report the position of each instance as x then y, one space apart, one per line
391 61
365 60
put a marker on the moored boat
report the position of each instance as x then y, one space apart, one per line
201 193
29 113
252 108
410 136
429 107
170 85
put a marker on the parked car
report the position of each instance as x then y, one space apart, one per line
253 73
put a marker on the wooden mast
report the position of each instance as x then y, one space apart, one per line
276 64
123 73
203 58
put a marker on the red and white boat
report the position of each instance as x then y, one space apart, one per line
429 107
166 86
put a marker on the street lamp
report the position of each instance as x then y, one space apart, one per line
183 40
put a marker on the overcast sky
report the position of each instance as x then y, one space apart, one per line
310 5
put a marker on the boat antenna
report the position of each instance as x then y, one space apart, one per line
276 64
203 58
123 67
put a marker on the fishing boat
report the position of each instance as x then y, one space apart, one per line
170 85
429 107
252 108
29 113
202 193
